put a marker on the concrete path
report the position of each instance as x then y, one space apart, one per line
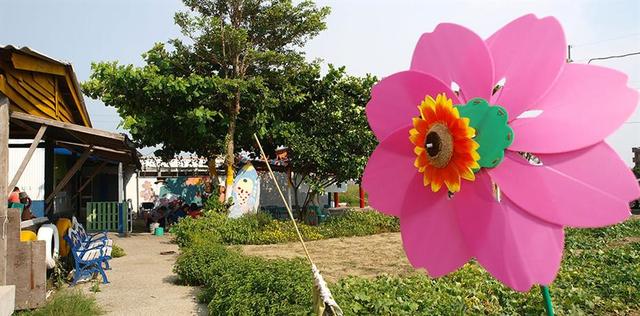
142 282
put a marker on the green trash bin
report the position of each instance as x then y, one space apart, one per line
159 231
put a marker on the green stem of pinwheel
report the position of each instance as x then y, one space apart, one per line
547 299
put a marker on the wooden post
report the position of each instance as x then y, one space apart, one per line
4 177
4 219
27 158
26 266
336 199
361 195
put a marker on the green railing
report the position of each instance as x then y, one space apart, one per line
104 216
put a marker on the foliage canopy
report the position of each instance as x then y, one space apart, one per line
233 63
236 71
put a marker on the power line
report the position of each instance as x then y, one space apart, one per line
613 56
607 40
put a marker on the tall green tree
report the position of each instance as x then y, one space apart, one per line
217 79
326 131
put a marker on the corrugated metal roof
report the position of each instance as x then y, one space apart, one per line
37 54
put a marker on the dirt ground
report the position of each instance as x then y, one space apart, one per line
142 282
366 256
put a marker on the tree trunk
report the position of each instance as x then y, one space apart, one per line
295 197
234 109
295 187
211 166
304 211
361 193
213 173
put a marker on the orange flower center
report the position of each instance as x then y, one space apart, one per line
444 146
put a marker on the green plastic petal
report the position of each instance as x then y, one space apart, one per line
493 134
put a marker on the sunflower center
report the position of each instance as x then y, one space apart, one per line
444 146
432 144
439 145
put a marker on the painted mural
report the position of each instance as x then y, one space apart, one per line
246 192
190 189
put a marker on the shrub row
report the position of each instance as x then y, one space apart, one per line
235 284
600 275
262 229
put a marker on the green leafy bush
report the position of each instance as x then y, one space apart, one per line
241 285
262 229
199 263
352 196
188 228
359 223
213 204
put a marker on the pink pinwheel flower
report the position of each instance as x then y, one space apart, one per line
557 112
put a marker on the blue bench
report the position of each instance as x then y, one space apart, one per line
89 252
86 237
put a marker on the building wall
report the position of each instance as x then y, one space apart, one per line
189 188
32 180
149 190
269 195
131 187
104 186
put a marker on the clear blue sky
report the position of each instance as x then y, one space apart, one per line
373 36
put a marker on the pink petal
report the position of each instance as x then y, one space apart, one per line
389 171
395 99
430 233
586 104
453 53
529 53
590 187
516 248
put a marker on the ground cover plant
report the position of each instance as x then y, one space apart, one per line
117 251
600 275
67 303
262 229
